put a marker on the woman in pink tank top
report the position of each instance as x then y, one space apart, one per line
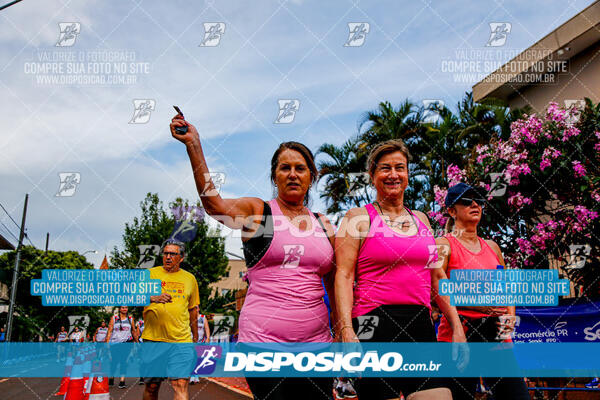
462 248
385 255
288 251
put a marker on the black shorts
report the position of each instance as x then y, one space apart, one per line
395 323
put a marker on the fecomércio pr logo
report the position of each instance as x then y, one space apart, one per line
207 359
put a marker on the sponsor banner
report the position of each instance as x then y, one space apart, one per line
307 359
574 321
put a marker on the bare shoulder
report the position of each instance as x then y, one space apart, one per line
355 223
356 211
421 215
493 245
442 240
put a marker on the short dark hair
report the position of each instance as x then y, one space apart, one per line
306 154
174 242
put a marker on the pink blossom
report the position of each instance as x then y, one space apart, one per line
440 195
518 200
596 195
438 216
583 215
579 169
545 164
551 152
455 174
555 113
525 246
570 132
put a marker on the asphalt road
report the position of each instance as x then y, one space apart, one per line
44 388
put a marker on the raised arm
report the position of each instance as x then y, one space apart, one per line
233 213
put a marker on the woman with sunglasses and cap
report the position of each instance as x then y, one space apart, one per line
462 248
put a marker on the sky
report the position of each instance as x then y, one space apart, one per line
68 101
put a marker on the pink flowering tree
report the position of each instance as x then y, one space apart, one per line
543 192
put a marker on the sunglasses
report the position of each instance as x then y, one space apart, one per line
467 201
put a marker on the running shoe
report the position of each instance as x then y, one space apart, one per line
593 384
122 385
344 391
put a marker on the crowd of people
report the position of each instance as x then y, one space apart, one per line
380 269
377 266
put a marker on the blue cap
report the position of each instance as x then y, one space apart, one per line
457 191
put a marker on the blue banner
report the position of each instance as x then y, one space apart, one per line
302 359
575 321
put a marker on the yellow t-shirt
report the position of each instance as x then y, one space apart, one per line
170 322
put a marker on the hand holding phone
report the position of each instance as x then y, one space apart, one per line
182 130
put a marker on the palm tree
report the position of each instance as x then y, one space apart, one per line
345 181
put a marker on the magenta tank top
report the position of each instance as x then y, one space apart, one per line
392 268
284 302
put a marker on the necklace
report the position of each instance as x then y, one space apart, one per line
402 224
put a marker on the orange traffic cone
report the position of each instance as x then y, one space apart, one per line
64 382
97 388
75 390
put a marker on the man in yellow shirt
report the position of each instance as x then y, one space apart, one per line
170 318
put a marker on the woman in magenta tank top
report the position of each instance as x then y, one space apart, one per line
462 248
385 255
288 251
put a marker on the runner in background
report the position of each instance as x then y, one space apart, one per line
462 248
76 335
203 337
121 329
101 333
61 336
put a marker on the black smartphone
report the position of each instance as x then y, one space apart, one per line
182 130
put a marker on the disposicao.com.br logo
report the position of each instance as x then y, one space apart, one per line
323 362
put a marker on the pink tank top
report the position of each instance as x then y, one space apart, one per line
392 268
284 302
463 258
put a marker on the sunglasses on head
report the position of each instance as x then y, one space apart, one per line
467 201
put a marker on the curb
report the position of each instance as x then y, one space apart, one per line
229 387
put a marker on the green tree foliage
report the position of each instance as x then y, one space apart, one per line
33 319
447 138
